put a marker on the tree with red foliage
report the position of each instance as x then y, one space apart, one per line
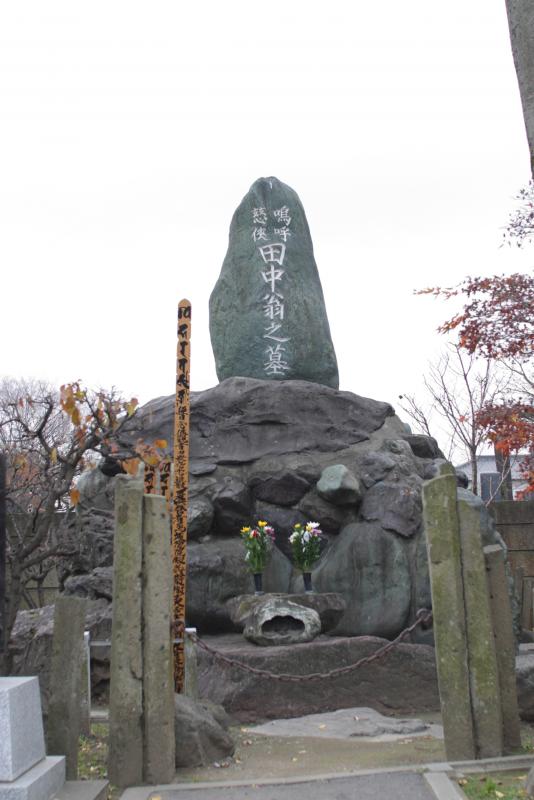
497 323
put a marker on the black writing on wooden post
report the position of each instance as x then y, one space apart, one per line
3 547
180 486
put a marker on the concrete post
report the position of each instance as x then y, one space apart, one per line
85 711
190 665
482 659
158 685
125 760
501 612
443 542
64 706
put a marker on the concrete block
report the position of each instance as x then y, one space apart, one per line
21 727
483 672
41 782
125 760
443 542
65 700
158 684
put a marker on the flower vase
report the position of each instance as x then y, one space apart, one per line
307 582
258 583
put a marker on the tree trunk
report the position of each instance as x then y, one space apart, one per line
474 473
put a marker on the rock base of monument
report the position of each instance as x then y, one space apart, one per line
404 681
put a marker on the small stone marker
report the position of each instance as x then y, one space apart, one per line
267 312
64 705
443 541
504 645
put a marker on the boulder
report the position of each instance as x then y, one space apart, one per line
216 571
276 620
524 670
329 605
331 517
232 506
200 515
375 467
31 645
339 486
397 506
94 585
267 313
370 569
423 446
243 420
404 681
200 738
282 487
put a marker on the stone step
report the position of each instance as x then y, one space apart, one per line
41 782
83 790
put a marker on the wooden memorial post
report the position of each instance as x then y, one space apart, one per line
180 486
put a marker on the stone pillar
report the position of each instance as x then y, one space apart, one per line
64 705
125 760
501 612
482 659
444 554
3 547
158 688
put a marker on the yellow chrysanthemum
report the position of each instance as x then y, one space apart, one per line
245 529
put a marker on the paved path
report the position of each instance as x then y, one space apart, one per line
397 785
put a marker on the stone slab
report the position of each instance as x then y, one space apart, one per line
403 681
347 723
21 727
41 782
83 790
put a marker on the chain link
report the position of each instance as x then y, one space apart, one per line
423 618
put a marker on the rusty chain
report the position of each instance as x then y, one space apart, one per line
423 618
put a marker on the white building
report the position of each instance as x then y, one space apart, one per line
489 478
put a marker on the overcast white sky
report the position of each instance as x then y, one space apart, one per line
130 131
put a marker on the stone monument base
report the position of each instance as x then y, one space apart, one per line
41 782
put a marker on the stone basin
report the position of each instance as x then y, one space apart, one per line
330 606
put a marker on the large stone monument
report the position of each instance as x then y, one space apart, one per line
267 313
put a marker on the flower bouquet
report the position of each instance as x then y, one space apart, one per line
258 542
305 543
